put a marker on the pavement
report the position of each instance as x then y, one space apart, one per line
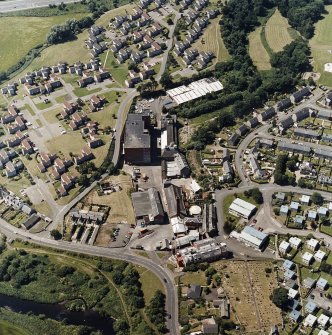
15 5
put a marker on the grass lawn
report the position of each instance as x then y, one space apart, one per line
277 32
118 71
50 115
320 44
62 99
83 91
29 109
213 41
7 328
70 142
28 33
258 53
43 105
194 278
101 152
15 184
150 283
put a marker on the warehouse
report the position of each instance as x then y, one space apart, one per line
253 237
148 206
242 208
194 90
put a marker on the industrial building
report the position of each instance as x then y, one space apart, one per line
137 141
174 165
202 251
148 206
253 237
195 90
242 208
169 136
174 200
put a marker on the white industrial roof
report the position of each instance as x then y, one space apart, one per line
194 90
177 226
242 207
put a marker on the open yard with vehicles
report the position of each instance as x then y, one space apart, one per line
321 46
258 53
277 32
19 35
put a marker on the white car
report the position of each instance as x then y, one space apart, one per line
63 132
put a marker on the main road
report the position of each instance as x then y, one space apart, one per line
15 5
163 274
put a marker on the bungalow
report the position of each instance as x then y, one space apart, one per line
307 258
322 284
284 247
233 140
312 215
319 256
310 321
284 210
305 200
242 130
292 294
309 283
85 81
135 14
322 211
289 274
294 315
310 307
295 242
155 50
137 36
323 321
10 170
144 3
267 114
299 95
301 114
95 141
26 147
136 57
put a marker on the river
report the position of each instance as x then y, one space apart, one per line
59 312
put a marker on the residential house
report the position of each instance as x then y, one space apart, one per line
307 258
284 247
301 114
267 114
295 242
155 50
252 123
26 147
320 256
155 30
284 104
306 133
233 140
322 284
209 326
328 99
242 130
299 95
10 170
285 124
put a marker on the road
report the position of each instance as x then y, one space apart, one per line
169 47
15 5
262 132
119 254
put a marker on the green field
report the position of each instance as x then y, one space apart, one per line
277 32
7 328
19 35
213 42
320 45
258 53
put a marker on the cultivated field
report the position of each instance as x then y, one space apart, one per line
320 45
213 42
258 53
19 35
277 32
248 288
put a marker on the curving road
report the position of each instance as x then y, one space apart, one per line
120 254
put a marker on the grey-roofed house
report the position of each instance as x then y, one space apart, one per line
306 133
301 114
252 123
233 140
285 124
194 292
265 143
293 147
228 172
288 265
284 210
322 284
324 114
284 104
242 130
310 307
295 315
137 141
309 283
299 95
31 221
148 206
321 153
267 114
326 138
289 274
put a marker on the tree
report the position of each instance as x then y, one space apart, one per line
227 227
56 234
166 80
170 21
317 198
280 297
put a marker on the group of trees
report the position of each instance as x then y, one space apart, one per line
68 31
280 176
255 194
156 311
280 298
